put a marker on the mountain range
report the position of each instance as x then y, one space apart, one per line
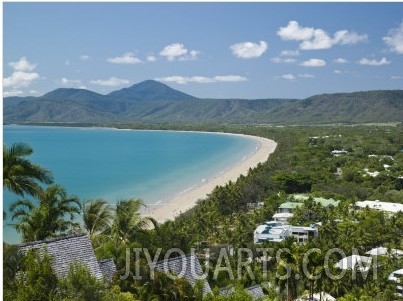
154 102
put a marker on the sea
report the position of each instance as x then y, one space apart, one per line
116 164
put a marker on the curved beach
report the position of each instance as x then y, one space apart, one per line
182 202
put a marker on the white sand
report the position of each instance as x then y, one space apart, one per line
171 208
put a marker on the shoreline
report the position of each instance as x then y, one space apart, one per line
170 208
182 201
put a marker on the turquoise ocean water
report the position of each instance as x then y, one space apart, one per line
115 164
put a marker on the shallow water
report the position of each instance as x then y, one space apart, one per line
115 164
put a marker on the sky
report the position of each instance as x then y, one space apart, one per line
206 49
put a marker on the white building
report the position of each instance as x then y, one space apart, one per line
351 263
277 232
381 206
382 251
397 276
265 232
322 296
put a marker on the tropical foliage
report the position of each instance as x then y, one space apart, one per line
97 216
370 166
48 218
20 175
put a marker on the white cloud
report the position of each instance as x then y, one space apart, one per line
202 79
22 77
306 75
294 32
192 55
394 39
174 79
76 83
396 77
288 76
173 50
247 50
290 53
230 78
85 57
22 65
338 71
12 93
151 58
343 37
127 58
365 61
282 60
341 61
177 51
313 63
111 82
317 38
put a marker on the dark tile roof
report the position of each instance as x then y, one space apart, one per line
67 250
108 268
187 267
256 291
224 291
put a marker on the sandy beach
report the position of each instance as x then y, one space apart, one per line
172 207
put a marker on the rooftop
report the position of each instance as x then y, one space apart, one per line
255 291
187 267
383 206
384 251
350 262
71 249
323 201
290 205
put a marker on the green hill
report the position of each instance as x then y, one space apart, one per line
154 102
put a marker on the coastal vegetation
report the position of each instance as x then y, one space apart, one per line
347 163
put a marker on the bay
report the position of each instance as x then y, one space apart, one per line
117 164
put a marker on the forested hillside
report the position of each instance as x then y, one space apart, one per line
153 102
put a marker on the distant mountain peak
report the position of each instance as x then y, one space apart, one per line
151 90
71 94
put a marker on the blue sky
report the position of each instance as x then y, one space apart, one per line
209 50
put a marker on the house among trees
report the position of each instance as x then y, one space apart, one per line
279 233
380 206
355 262
397 277
317 297
338 152
69 250
322 201
382 251
285 210
255 291
187 267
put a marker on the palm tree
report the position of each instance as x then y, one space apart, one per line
20 176
128 221
48 218
288 269
97 216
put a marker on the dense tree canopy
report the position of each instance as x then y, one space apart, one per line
370 166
